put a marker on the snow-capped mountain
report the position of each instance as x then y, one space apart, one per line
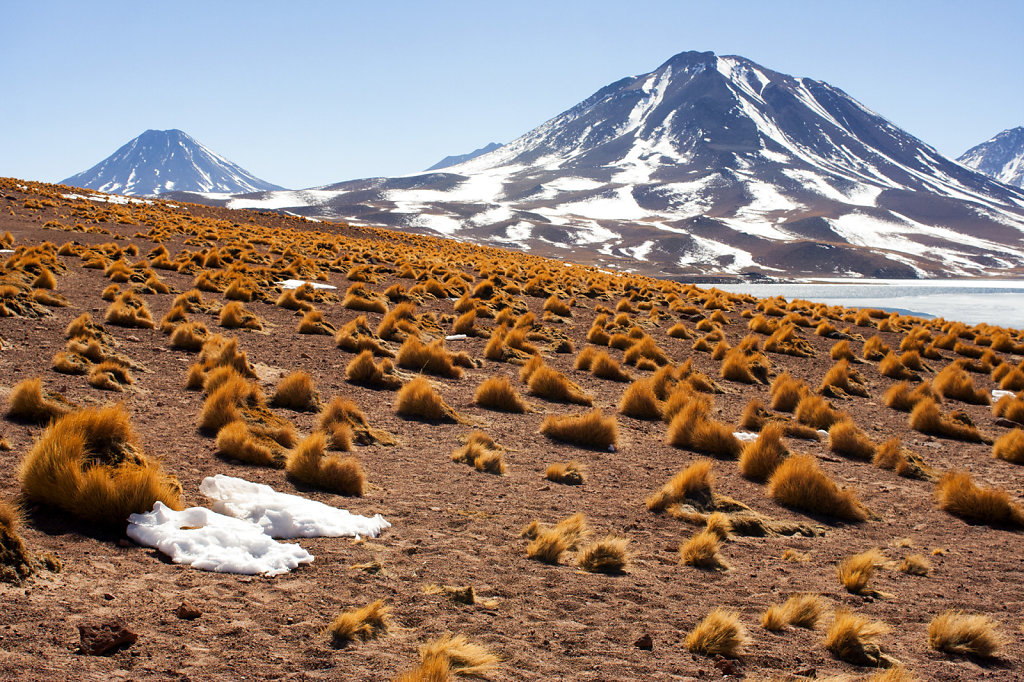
707 164
461 158
1002 157
160 161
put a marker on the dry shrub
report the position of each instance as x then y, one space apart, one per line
590 430
701 551
236 441
190 336
88 464
367 622
856 571
915 564
761 457
714 438
296 392
355 336
397 324
340 411
548 544
956 632
957 494
845 438
719 634
645 348
70 363
786 392
840 376
498 393
357 297
481 453
312 322
841 350
28 403
307 463
451 655
953 382
608 555
128 310
875 349
891 366
550 384
799 483
109 376
774 618
567 473
679 331
813 410
222 403
418 400
736 366
235 316
804 610
363 371
893 456
640 400
692 482
901 397
1010 447
431 358
927 418
1011 408
605 366
851 638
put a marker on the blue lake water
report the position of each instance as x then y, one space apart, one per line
999 302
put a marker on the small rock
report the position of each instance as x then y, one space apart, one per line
108 596
807 672
725 666
100 638
645 642
133 338
187 611
305 355
1007 423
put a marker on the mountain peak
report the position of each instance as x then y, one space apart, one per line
159 161
1002 157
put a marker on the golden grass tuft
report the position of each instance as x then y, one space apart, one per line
109 376
128 310
856 571
841 376
761 457
236 441
915 564
418 400
804 610
548 544
481 453
234 316
567 473
845 438
189 336
852 638
550 384
640 400
800 484
313 322
926 418
340 411
901 397
307 463
88 464
814 411
431 358
701 551
693 481
28 403
364 623
953 382
604 366
1010 447
607 555
956 632
363 371
590 430
452 655
719 634
774 618
959 495
786 392
296 392
498 393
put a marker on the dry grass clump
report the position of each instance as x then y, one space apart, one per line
845 438
607 555
1010 447
27 402
795 556
692 482
891 366
893 456
841 379
957 494
548 544
550 384
567 473
800 610
915 564
701 551
236 441
235 316
356 336
481 453
313 322
364 623
431 358
128 310
851 638
926 418
604 366
814 411
16 562
357 297
761 457
418 400
363 371
901 397
875 349
88 464
786 392
498 393
450 655
189 336
856 571
590 430
956 632
308 463
109 376
339 411
953 382
719 634
296 392
640 400
800 484
691 428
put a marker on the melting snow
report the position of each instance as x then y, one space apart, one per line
296 283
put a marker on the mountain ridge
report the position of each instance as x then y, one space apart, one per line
1001 157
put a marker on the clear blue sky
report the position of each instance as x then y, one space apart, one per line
309 93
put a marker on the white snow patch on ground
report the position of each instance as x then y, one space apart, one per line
707 252
997 394
210 541
621 206
296 283
745 437
570 184
496 214
438 223
286 516
641 252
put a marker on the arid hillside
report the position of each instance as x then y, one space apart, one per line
587 475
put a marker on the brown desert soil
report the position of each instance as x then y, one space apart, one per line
453 525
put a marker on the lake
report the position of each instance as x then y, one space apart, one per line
999 302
